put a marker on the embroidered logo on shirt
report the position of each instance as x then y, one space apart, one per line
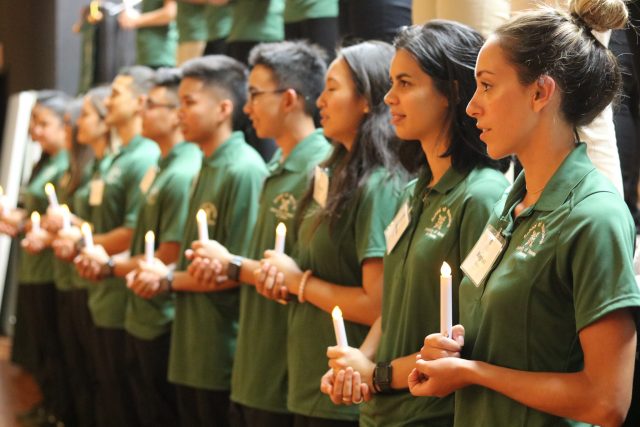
440 223
211 211
284 206
532 240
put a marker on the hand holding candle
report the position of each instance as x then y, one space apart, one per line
281 235
446 318
4 203
51 194
203 230
149 246
87 235
338 326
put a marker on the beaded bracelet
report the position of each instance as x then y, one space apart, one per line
303 283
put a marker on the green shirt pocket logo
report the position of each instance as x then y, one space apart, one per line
284 206
440 223
532 240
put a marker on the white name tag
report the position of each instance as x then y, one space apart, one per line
96 192
483 255
398 226
148 178
321 186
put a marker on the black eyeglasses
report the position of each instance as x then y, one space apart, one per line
253 94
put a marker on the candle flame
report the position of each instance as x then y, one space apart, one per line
281 229
35 216
336 313
445 270
49 188
65 208
149 237
1 191
201 215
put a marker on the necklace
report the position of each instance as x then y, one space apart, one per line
533 193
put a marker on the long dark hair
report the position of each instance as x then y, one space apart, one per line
79 155
375 145
447 51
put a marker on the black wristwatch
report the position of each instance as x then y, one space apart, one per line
234 267
382 375
107 269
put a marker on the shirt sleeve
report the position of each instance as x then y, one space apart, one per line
379 202
595 257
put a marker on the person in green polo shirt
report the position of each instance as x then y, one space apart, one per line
312 20
341 219
253 22
163 212
115 200
285 80
443 214
219 17
547 305
77 339
37 340
191 23
203 337
156 37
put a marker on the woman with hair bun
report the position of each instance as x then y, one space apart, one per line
547 306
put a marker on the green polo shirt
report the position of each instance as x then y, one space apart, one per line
63 271
219 19
567 262
336 256
163 211
156 46
262 382
446 221
300 10
80 201
257 21
37 269
204 333
121 200
191 22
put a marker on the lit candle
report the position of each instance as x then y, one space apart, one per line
66 217
35 222
203 230
281 234
51 194
94 9
445 300
338 326
149 242
87 235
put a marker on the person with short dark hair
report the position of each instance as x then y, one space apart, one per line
204 331
547 306
285 80
445 211
115 200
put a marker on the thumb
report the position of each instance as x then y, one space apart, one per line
457 333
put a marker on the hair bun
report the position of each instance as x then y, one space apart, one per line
600 15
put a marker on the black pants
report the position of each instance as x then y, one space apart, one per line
320 31
114 398
77 336
245 416
39 344
203 408
154 397
304 421
215 47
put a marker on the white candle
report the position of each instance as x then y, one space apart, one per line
35 222
203 230
149 246
281 235
87 235
51 194
4 203
66 217
338 326
446 318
